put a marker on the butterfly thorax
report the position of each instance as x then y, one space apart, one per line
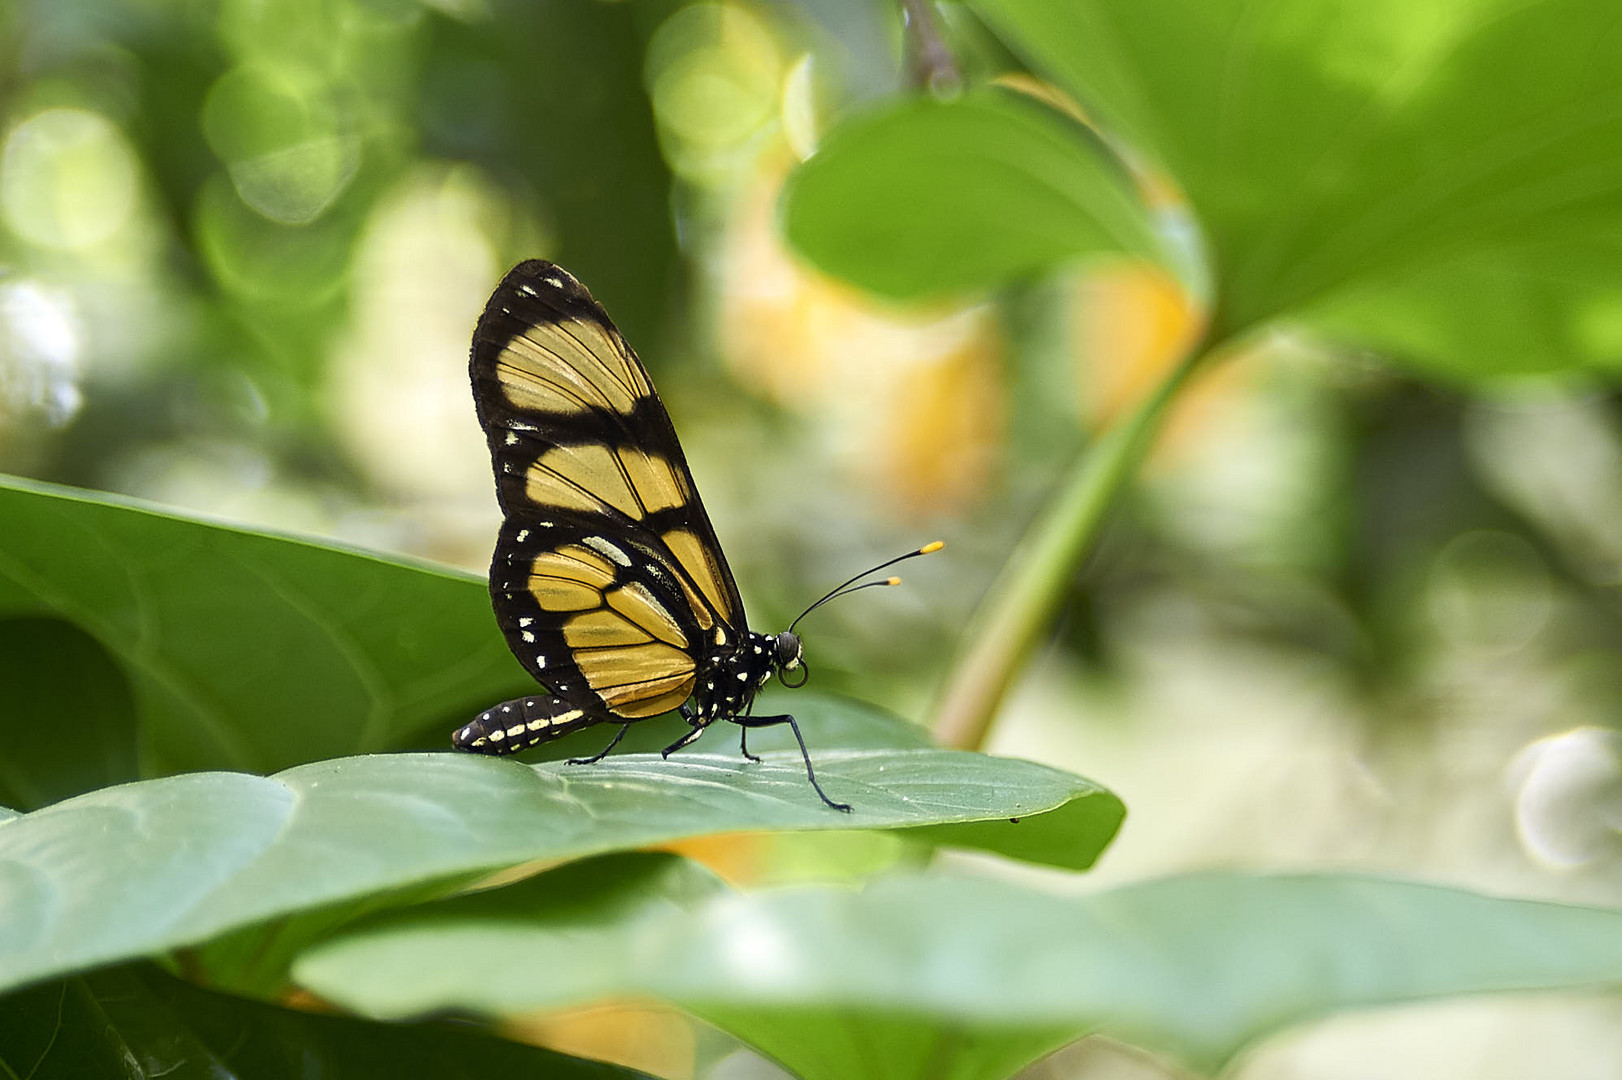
732 675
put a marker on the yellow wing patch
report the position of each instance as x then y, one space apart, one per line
592 476
700 565
657 485
638 680
574 563
555 594
570 579
603 629
569 365
581 478
641 607
627 704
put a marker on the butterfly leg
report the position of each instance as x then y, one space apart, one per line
686 740
615 741
743 744
810 773
743 738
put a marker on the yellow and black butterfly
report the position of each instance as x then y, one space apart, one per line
607 579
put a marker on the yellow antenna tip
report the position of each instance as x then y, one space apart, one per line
932 547
893 581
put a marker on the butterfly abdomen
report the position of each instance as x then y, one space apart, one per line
519 724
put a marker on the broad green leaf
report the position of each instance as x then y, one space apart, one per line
246 650
137 869
137 1022
67 718
586 922
925 197
834 1043
1332 145
582 932
208 622
1198 966
1535 310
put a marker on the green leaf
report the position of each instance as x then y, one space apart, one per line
67 718
251 651
1198 966
133 870
1532 311
840 1042
1333 145
138 1022
581 932
924 197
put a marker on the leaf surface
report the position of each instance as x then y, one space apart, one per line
141 868
135 1023
966 977
924 197
246 650
1390 150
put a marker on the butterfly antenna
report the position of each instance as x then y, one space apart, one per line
844 588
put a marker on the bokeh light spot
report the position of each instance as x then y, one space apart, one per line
67 179
426 261
1489 590
39 354
714 73
282 141
1568 797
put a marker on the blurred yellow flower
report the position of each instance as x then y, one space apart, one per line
913 398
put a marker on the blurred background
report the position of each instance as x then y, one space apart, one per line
1345 619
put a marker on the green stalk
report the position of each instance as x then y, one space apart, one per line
1025 597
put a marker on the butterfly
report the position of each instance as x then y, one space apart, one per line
607 579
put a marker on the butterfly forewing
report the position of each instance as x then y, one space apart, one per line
607 578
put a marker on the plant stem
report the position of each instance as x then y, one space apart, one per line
930 63
1026 595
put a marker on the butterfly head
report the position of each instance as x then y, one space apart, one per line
788 654
788 650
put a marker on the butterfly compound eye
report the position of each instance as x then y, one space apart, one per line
788 650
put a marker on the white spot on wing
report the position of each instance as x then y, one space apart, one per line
607 549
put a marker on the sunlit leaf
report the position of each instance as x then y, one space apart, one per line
584 931
926 197
1333 145
1538 309
960 972
136 869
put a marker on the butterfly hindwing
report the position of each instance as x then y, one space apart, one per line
607 579
596 619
